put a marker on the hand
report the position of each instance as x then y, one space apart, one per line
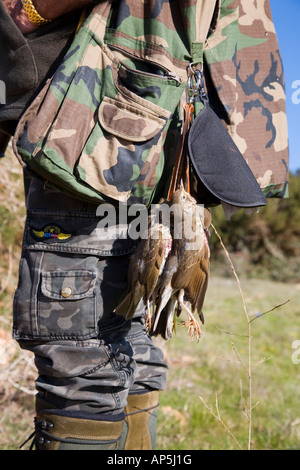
16 11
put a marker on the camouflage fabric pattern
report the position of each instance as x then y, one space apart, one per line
248 75
114 102
70 281
68 284
96 375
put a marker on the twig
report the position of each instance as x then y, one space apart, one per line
269 311
249 368
231 333
20 387
218 417
233 270
261 361
242 398
239 359
229 360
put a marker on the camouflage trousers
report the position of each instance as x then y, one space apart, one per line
70 281
96 375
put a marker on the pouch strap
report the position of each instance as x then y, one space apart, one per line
181 171
203 18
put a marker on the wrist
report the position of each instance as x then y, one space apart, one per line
18 15
52 9
46 8
33 14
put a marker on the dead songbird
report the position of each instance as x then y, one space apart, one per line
184 280
145 267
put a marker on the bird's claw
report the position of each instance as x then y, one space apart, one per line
192 324
193 329
148 318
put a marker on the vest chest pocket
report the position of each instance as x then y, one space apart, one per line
123 151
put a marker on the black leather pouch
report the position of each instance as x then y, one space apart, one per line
221 171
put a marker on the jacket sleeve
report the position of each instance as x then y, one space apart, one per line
245 67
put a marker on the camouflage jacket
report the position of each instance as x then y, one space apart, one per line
116 115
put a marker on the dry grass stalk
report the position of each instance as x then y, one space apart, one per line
247 367
248 406
218 417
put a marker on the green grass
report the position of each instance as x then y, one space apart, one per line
210 366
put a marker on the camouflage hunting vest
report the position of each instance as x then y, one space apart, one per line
109 121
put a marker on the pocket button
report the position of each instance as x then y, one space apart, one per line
66 292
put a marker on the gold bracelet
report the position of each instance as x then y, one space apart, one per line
32 14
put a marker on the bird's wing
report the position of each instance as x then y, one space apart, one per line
192 276
196 289
153 259
144 269
163 290
128 305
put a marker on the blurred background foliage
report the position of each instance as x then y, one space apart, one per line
264 244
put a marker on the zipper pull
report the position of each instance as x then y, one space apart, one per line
174 76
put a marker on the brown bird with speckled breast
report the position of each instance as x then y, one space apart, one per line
145 267
185 276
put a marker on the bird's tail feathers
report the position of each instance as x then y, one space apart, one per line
163 323
158 310
127 307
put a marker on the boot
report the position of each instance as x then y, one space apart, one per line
139 430
59 432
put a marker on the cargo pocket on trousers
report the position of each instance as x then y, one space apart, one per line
71 278
58 304
67 304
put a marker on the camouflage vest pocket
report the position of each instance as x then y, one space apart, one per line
123 149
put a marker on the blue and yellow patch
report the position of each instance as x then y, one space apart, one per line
51 233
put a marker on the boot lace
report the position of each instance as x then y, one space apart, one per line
40 435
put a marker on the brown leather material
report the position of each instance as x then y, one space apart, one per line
68 433
139 411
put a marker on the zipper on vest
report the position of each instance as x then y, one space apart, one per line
168 74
